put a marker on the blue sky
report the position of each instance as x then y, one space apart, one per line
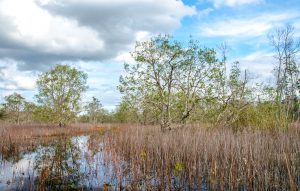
244 25
96 36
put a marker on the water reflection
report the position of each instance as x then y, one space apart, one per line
10 153
58 166
78 163
65 164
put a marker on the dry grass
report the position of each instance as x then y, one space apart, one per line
196 158
192 158
15 139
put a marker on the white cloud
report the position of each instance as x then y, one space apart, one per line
38 29
94 35
245 27
233 3
103 78
259 63
125 57
50 31
12 79
204 12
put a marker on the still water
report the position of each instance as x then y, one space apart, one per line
65 164
80 163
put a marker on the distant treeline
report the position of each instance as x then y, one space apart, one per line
172 84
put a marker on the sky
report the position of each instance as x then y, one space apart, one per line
96 36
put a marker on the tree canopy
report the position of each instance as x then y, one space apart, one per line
168 78
14 105
59 93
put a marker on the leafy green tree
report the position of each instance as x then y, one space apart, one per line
95 110
29 108
60 91
194 80
168 78
127 111
227 95
14 106
237 99
151 80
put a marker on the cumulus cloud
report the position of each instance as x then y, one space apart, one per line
41 32
37 38
11 79
36 34
103 80
119 23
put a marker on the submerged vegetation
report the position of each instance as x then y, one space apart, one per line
188 120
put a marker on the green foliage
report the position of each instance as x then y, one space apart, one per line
60 91
171 83
125 112
260 116
29 108
2 114
94 111
143 155
17 110
14 105
168 80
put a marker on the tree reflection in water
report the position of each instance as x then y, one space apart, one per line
58 166
76 163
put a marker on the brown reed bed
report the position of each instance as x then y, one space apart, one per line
195 158
191 158
15 139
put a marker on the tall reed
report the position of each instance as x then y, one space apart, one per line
195 158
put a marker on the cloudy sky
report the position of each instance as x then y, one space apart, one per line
96 36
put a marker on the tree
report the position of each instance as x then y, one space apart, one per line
94 110
237 97
14 105
286 69
197 74
168 78
151 80
60 91
124 113
29 108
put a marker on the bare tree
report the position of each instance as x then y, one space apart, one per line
286 69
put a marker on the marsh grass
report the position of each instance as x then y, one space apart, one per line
195 158
17 139
135 157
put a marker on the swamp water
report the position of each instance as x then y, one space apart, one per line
65 164
78 163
